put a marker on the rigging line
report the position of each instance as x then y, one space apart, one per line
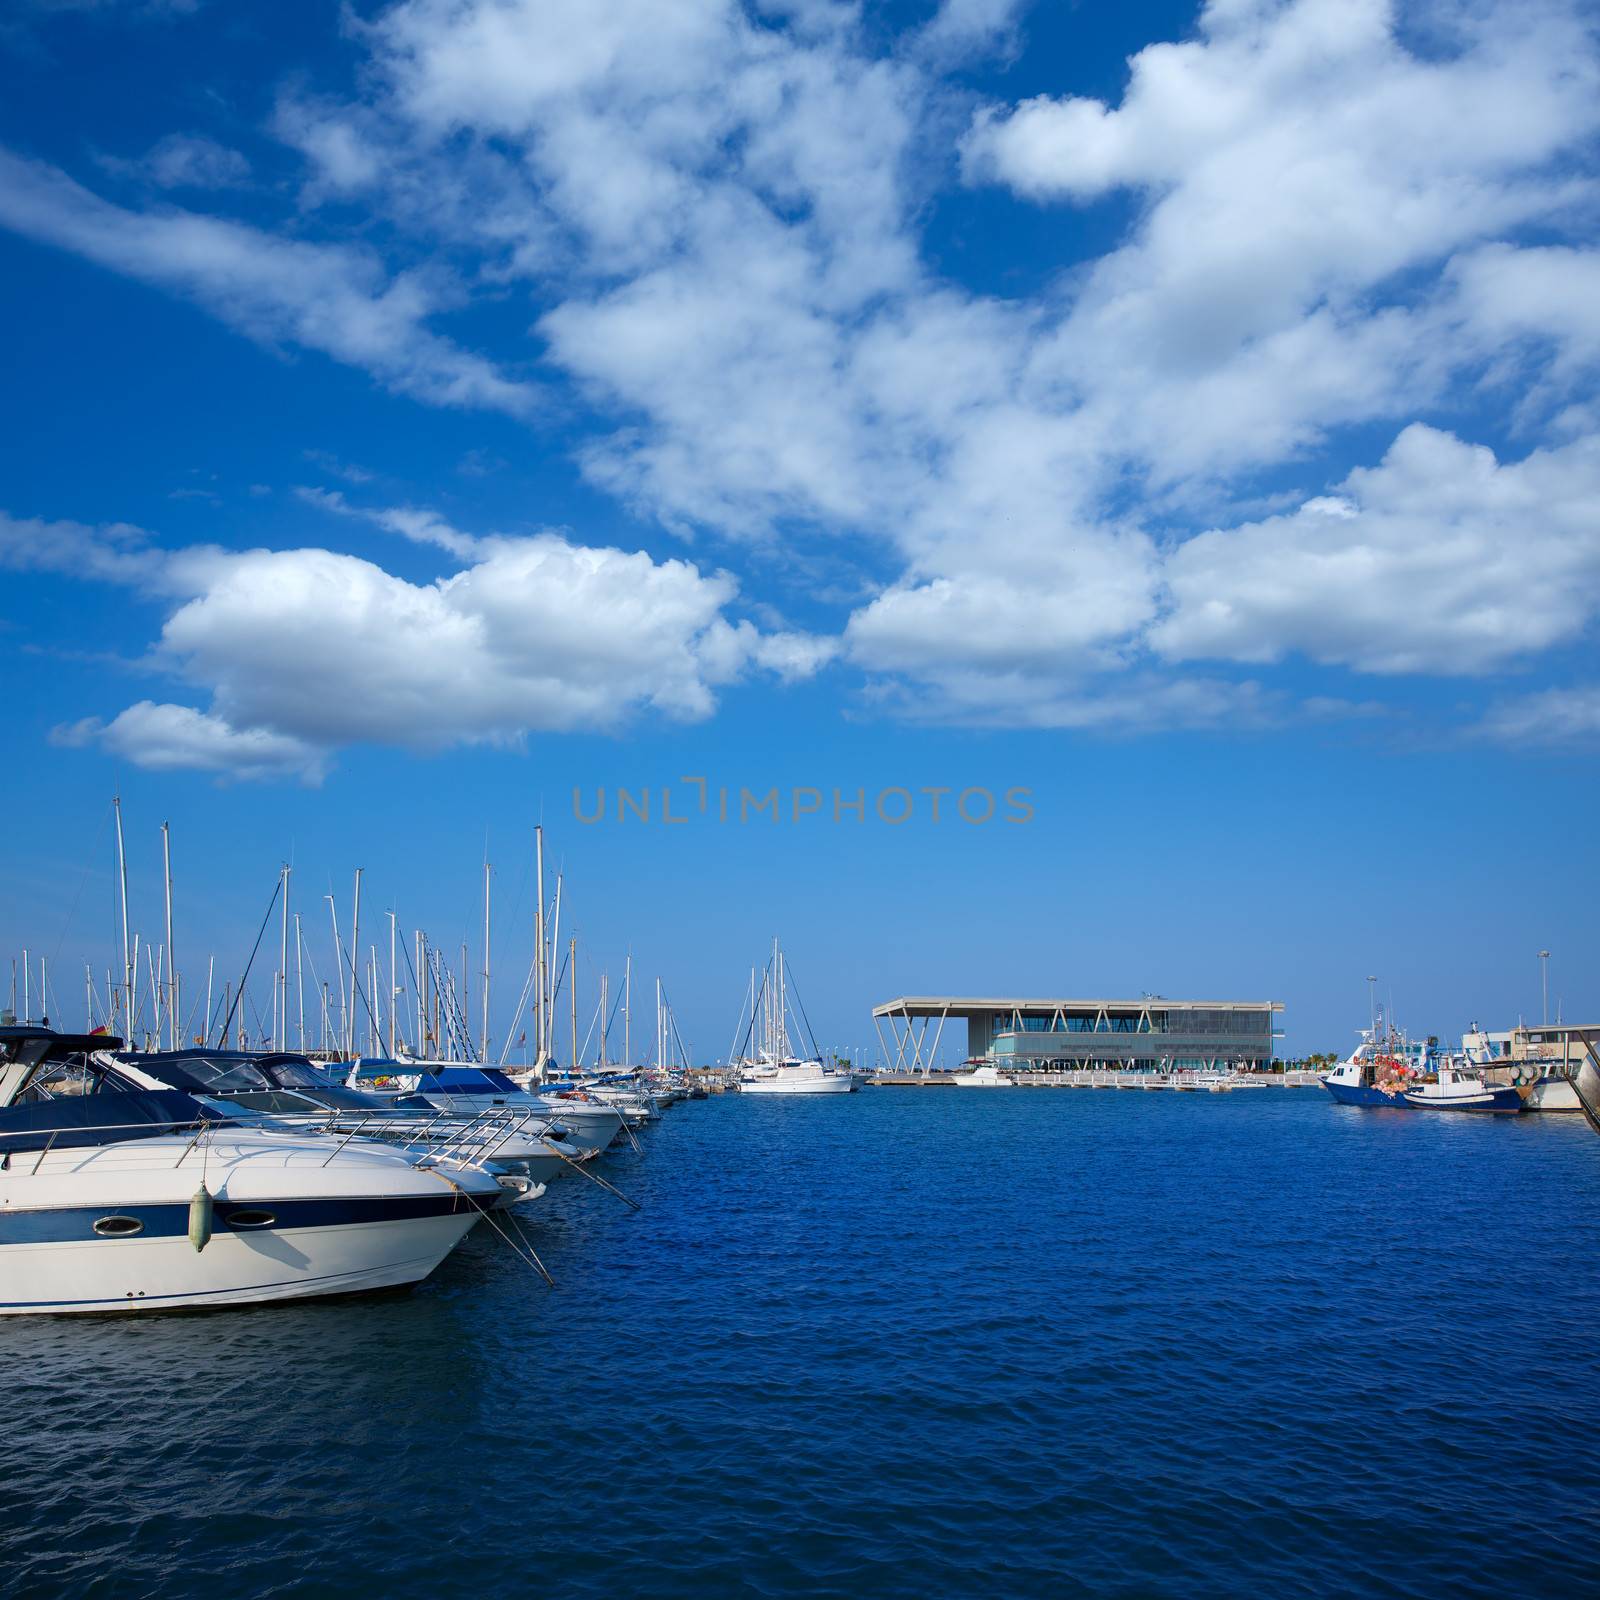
276 890
817 1054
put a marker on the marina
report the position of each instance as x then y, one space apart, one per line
799 800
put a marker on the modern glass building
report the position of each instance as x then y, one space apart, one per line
1151 1033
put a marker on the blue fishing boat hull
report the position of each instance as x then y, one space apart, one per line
1358 1094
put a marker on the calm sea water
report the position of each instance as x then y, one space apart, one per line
909 1343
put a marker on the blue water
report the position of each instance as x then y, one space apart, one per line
908 1343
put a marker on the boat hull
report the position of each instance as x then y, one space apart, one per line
1554 1094
163 1271
1495 1101
1360 1094
831 1084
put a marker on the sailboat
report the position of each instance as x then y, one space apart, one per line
775 1068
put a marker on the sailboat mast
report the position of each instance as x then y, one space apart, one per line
394 992
338 963
572 996
127 956
280 1000
172 966
627 1011
422 1000
555 937
300 980
605 1015
539 1043
483 1032
355 957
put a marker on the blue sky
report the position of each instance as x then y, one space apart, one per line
417 412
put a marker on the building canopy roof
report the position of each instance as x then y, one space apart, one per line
970 1005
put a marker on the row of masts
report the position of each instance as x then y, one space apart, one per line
353 1012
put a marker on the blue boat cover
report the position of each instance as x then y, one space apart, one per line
79 1120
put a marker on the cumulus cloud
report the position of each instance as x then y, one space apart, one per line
304 651
173 738
1440 559
714 213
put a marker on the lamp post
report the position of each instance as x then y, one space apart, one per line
1544 983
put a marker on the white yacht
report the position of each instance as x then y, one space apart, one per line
774 1067
289 1090
791 1075
465 1088
986 1076
140 1200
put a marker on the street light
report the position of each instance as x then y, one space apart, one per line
1544 983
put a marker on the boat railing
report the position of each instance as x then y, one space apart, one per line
201 1126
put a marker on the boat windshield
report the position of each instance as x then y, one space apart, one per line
336 1097
293 1073
214 1075
79 1120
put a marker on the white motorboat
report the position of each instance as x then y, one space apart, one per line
138 1200
793 1076
289 1091
467 1089
987 1076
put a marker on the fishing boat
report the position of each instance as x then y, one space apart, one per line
137 1200
1457 1089
985 1076
1377 1073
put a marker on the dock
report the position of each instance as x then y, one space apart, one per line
1103 1078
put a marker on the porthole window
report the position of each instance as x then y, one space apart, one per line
246 1218
118 1227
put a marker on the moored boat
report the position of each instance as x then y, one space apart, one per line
135 1200
986 1076
1457 1089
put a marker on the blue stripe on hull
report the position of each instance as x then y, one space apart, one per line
63 1225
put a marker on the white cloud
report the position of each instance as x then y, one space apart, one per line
1553 718
111 553
304 651
1293 161
714 214
1439 560
343 159
185 161
331 298
173 738
962 28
